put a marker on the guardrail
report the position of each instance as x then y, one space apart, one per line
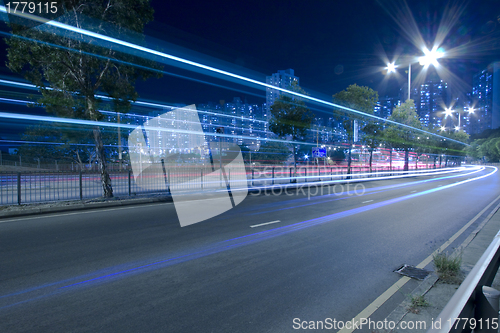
474 306
35 187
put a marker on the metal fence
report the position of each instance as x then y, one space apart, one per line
46 186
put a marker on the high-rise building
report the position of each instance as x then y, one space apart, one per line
486 99
431 101
283 79
385 105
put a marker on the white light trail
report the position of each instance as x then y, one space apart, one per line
205 67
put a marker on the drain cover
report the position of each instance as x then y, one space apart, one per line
413 272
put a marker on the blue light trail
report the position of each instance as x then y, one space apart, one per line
112 273
193 64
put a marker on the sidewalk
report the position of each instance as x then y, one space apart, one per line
436 293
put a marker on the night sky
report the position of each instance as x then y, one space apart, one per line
330 44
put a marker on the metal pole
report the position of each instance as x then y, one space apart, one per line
220 161
129 183
201 179
409 80
18 188
81 190
119 142
169 183
272 180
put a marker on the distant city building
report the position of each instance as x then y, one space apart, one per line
431 101
283 79
385 105
486 99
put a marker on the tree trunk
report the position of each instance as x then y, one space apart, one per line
371 159
101 161
390 160
349 162
406 159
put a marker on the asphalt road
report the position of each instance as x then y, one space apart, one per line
134 269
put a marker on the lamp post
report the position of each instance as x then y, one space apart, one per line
429 58
449 112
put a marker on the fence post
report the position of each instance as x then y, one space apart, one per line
18 188
129 183
81 190
272 180
290 175
169 183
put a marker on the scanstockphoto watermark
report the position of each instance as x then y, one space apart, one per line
363 323
311 190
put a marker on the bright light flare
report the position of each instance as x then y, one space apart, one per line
457 128
448 112
391 68
471 110
443 128
431 57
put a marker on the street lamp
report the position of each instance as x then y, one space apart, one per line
449 112
429 58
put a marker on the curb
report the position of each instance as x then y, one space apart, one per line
84 206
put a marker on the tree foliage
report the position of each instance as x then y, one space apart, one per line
486 147
359 98
403 137
71 71
290 117
271 152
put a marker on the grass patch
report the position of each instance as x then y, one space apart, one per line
448 267
417 302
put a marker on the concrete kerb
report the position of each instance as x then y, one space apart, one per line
438 294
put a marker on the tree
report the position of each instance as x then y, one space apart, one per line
71 72
272 152
290 117
373 138
403 137
452 147
64 142
358 98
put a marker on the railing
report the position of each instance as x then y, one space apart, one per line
474 306
45 186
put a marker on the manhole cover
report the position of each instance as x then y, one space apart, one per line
413 272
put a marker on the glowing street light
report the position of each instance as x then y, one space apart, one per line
391 68
443 128
431 57
457 128
471 110
448 112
